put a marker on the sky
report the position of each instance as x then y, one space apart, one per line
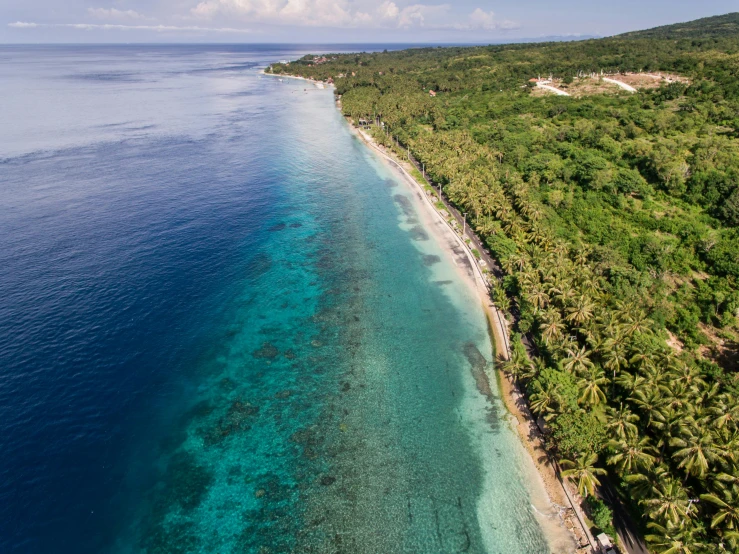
337 21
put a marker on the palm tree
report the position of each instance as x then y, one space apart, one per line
732 538
650 402
727 513
535 212
528 278
638 323
727 442
581 312
668 501
696 452
677 396
590 284
562 292
728 478
560 248
591 393
538 297
726 410
581 256
583 472
488 226
655 374
577 361
540 237
542 403
688 375
500 298
674 423
591 331
631 383
552 326
641 357
537 367
621 421
614 355
631 454
518 261
624 311
640 485
673 539
516 365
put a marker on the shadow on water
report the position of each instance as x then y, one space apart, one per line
259 266
479 369
431 259
418 233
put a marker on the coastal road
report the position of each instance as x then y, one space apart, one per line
628 533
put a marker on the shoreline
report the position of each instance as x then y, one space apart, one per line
525 425
571 528
323 84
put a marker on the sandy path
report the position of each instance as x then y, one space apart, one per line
619 83
556 91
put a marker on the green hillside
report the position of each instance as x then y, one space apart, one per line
615 218
708 27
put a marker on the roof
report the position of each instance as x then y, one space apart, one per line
604 540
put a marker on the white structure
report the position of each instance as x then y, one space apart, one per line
605 544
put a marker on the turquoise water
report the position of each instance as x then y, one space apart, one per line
272 350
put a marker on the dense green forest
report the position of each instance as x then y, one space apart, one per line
616 220
708 27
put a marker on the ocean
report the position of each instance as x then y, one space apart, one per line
223 326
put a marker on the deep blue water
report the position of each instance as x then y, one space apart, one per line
222 326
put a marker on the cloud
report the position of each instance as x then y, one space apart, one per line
483 20
316 13
388 10
112 27
339 13
327 13
331 13
112 13
420 15
487 21
479 20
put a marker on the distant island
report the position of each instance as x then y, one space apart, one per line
603 177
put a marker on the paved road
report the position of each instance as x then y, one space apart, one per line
625 526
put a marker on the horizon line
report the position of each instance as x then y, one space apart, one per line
565 38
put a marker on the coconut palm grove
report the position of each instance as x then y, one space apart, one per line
614 217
